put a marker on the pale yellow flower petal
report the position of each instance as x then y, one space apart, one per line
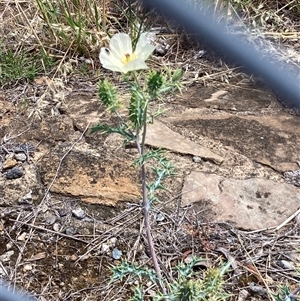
120 44
143 47
136 64
109 61
119 57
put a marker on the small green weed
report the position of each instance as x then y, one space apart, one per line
22 65
207 288
283 294
187 287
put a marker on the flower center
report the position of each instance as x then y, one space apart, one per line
128 58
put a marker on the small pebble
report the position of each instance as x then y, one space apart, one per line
160 217
74 257
116 254
51 220
22 237
6 256
197 159
243 295
9 245
288 265
70 231
149 283
60 266
26 199
62 212
104 248
112 241
27 267
257 289
14 173
9 163
78 213
56 227
9 156
21 157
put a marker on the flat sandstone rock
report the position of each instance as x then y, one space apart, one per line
272 140
93 180
250 204
159 135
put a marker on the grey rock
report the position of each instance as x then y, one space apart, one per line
56 227
160 217
21 157
197 159
293 177
116 254
51 220
26 199
78 213
104 248
62 212
14 173
287 265
70 231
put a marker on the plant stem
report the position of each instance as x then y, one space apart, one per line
147 223
146 205
144 128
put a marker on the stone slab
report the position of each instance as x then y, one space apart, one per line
160 136
272 140
93 178
250 204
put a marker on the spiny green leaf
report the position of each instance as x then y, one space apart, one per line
177 75
136 108
122 130
155 83
108 95
138 294
126 268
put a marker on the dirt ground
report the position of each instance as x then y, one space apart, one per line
78 196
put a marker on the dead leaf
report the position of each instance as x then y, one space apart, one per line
37 256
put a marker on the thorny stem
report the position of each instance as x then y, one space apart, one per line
146 217
144 128
146 205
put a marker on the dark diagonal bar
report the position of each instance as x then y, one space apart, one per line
281 78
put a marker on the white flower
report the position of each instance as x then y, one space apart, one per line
120 56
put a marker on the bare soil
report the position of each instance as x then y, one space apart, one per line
55 256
